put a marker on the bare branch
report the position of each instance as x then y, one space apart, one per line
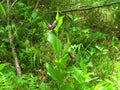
85 8
13 4
16 61
3 1
36 5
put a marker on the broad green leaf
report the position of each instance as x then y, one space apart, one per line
56 44
77 74
64 59
2 9
34 15
62 62
99 85
59 23
56 75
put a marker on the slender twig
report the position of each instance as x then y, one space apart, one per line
13 4
16 61
3 1
85 8
36 4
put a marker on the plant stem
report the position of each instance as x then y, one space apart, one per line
16 61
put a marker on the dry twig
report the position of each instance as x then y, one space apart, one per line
85 8
16 61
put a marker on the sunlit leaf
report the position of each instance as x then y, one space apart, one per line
57 15
55 74
77 74
99 48
56 44
1 73
76 18
2 9
59 23
34 15
62 62
99 86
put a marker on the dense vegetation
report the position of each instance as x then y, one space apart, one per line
59 45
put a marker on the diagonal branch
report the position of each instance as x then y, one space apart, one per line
16 61
13 4
38 1
85 8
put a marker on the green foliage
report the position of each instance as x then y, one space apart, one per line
2 9
31 61
56 44
59 20
56 75
92 36
8 79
